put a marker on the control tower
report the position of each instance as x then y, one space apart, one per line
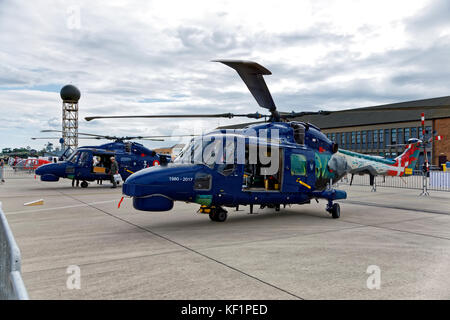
70 96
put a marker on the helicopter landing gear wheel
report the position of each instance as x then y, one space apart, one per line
212 216
218 215
335 211
84 184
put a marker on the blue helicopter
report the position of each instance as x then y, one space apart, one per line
270 164
92 163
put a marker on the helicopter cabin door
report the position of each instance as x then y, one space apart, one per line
263 176
298 170
101 162
84 163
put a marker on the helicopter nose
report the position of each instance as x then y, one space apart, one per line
155 188
51 171
145 182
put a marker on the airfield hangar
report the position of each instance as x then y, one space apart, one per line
373 130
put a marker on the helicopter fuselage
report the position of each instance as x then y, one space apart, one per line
131 158
268 164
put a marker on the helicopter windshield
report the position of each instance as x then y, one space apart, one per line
67 153
73 157
207 150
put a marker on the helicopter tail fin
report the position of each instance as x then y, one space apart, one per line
410 156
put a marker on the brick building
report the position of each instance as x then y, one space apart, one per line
374 130
173 151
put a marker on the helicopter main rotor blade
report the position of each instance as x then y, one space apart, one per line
156 137
81 133
255 115
151 139
94 136
293 114
99 137
252 75
38 138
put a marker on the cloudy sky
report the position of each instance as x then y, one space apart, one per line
150 57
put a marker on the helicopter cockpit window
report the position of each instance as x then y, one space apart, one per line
205 151
73 157
184 153
67 153
298 165
128 147
83 159
228 163
299 133
202 181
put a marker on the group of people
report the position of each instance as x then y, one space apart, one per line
97 162
113 170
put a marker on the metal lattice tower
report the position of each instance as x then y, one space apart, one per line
70 96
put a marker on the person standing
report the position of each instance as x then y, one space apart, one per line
114 169
96 163
75 180
2 170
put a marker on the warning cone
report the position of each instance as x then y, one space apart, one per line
35 203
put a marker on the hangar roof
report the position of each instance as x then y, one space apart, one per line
388 113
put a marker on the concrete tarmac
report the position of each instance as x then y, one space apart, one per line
297 253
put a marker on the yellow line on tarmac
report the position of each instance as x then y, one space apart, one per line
59 208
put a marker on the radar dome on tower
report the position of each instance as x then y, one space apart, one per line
70 96
70 93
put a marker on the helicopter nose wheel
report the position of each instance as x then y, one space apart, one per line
218 214
84 184
334 209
